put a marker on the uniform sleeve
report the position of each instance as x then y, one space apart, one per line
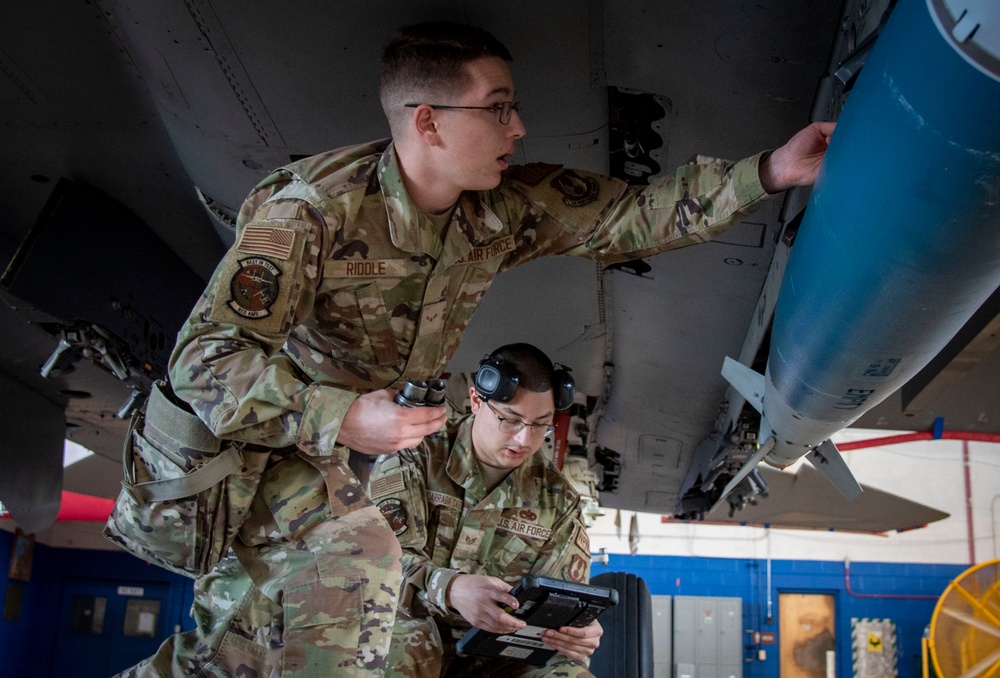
566 554
399 489
578 213
227 363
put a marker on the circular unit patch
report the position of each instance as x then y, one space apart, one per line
254 288
394 512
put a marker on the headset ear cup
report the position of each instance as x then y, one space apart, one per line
563 388
495 380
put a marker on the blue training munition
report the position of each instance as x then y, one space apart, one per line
900 243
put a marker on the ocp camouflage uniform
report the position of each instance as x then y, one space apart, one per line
448 524
338 285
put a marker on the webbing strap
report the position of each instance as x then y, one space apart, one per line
195 435
205 476
172 422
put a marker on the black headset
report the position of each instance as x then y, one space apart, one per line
497 380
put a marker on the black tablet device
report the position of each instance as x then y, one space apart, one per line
545 603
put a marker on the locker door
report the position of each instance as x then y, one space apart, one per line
104 626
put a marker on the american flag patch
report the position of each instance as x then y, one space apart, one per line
275 242
387 484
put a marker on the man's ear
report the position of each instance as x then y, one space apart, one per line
474 400
424 122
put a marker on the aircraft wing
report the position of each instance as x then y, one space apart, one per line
804 500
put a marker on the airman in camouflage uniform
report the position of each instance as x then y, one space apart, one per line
473 499
340 286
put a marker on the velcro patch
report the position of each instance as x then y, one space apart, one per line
442 499
374 268
576 190
524 529
386 485
394 512
576 569
497 248
531 174
582 540
287 209
267 240
254 288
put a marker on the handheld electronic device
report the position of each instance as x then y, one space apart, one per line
545 603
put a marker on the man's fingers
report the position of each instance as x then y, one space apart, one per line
826 128
431 420
575 642
508 621
503 598
383 427
421 416
498 621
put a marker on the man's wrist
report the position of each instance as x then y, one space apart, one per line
322 417
439 588
767 174
447 594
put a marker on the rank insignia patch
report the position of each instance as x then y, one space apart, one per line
394 512
577 191
254 288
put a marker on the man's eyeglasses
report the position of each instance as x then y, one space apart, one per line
514 426
503 109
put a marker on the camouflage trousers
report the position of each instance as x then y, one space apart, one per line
418 651
319 603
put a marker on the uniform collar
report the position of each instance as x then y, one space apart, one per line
472 223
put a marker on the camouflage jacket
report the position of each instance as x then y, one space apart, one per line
338 285
435 501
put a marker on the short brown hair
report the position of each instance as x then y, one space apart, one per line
534 368
427 61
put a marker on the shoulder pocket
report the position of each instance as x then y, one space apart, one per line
260 278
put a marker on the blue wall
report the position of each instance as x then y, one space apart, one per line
747 579
27 645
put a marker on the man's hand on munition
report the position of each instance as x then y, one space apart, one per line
797 162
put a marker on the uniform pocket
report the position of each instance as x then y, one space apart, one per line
514 558
339 609
322 629
474 284
377 324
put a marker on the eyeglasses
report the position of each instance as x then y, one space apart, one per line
515 426
503 109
